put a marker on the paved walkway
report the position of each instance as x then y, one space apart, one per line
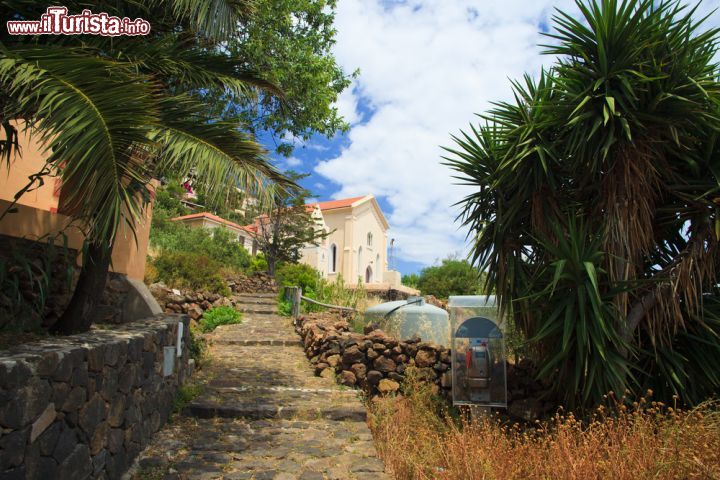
263 414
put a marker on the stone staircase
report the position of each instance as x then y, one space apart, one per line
263 414
258 304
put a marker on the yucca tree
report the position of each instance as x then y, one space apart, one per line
115 111
596 214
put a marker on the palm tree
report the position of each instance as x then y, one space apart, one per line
596 210
114 111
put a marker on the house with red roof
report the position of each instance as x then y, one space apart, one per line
244 233
355 249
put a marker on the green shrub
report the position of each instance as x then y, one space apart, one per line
258 264
218 244
451 277
167 204
219 316
189 270
185 394
411 280
198 347
337 293
317 288
298 275
284 307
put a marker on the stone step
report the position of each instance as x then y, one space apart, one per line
256 301
282 342
256 309
233 448
256 295
276 404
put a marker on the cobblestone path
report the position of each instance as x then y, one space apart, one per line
263 414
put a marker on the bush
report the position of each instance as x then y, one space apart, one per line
337 293
166 236
451 277
189 270
411 280
167 204
298 275
218 244
315 287
219 316
284 307
198 347
258 264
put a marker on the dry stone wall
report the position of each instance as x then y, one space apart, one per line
84 406
373 361
194 303
376 363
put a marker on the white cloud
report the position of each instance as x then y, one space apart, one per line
293 162
347 106
427 66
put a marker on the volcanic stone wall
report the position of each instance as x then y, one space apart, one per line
376 363
373 361
84 406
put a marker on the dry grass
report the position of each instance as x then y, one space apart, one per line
648 440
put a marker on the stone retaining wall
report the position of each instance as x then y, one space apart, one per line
195 303
376 363
84 406
373 361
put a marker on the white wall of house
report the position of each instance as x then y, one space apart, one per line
359 239
317 255
369 244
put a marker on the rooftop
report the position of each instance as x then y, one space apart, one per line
214 218
342 203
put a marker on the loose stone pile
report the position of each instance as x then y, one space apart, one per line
195 303
189 302
377 363
373 361
259 282
83 406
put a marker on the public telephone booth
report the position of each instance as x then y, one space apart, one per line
478 352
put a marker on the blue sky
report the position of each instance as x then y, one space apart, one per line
426 67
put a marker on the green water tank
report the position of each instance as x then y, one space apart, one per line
405 319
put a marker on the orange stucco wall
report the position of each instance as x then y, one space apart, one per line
36 217
12 180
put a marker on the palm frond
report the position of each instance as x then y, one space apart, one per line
218 153
216 19
93 112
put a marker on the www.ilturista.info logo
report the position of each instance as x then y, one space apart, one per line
56 21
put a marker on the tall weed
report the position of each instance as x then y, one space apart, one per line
644 440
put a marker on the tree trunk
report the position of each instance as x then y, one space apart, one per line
271 264
78 315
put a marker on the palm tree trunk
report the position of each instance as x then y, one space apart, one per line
78 316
